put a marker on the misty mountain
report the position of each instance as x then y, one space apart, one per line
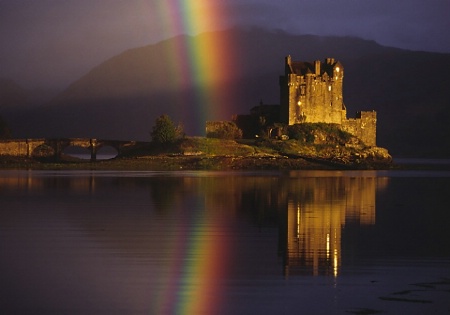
120 98
12 94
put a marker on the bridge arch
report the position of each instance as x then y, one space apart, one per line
102 152
76 152
106 152
93 145
41 150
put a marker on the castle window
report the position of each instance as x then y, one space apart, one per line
329 88
302 90
337 69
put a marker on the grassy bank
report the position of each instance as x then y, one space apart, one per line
197 153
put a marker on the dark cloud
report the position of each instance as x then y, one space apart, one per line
56 41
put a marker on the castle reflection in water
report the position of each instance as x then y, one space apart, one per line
310 208
315 216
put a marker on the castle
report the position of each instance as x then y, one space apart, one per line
310 92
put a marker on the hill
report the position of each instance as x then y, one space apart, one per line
12 94
120 98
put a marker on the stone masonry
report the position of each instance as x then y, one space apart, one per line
311 92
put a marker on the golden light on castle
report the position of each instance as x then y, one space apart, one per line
316 214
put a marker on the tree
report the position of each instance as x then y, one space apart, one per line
164 131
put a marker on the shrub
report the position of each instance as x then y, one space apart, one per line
319 133
302 132
165 132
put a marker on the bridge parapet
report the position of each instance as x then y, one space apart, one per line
19 147
28 147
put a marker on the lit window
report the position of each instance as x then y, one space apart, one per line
337 69
302 90
329 88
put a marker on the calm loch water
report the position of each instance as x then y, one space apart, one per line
304 242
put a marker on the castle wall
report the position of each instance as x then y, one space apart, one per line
313 97
284 101
364 126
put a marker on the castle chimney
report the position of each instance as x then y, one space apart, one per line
288 59
287 66
317 67
330 61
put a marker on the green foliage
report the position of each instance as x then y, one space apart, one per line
5 132
302 132
165 132
344 135
225 130
212 146
319 133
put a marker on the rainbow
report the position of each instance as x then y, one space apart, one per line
198 265
205 61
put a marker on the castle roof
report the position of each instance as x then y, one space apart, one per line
304 67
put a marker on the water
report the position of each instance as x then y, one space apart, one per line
303 242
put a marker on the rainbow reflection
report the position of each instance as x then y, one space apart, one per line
198 257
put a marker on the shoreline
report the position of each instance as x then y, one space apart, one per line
210 163
200 153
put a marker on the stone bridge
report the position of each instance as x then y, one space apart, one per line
31 147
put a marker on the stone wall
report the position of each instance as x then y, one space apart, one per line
312 92
223 130
363 126
14 148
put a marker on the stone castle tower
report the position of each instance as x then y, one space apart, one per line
312 92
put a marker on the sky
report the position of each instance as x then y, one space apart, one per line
51 43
